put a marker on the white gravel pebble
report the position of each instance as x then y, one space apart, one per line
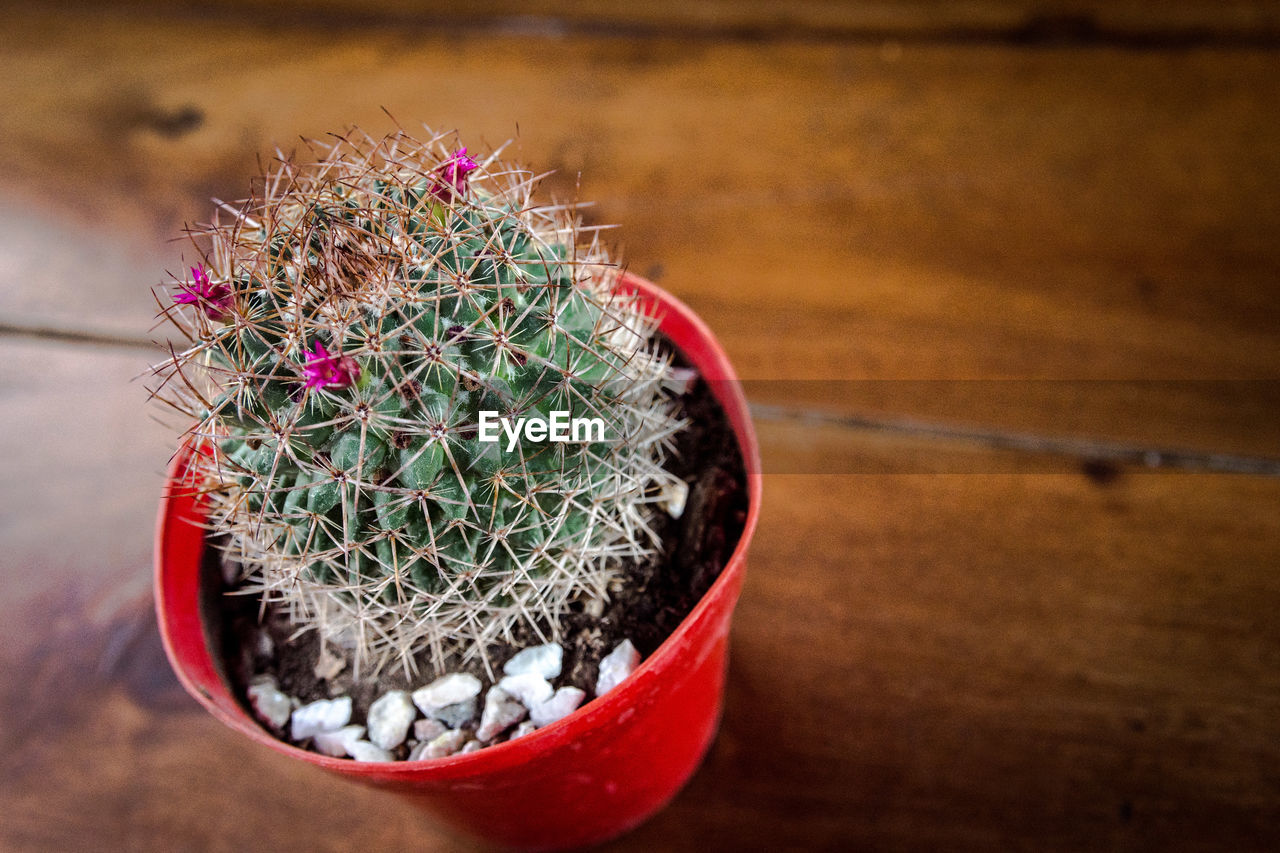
527 727
616 666
529 687
501 711
325 715
440 746
271 705
470 746
457 715
362 750
565 701
451 689
426 730
544 660
389 719
338 744
673 497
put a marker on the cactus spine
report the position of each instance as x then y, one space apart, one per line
347 326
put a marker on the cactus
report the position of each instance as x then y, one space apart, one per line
348 324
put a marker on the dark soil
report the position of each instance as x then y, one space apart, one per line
649 599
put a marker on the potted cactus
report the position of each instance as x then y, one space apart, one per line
441 449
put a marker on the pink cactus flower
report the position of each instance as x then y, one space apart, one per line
213 299
451 175
323 370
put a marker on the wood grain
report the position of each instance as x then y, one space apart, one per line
83 465
959 660
1023 222
834 211
1126 23
971 671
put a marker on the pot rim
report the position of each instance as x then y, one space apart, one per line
725 388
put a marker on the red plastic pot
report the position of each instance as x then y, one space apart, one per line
591 776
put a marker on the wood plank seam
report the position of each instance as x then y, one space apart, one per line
1083 449
1092 450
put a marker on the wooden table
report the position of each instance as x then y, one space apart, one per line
1002 276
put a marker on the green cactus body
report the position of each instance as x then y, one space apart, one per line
355 485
